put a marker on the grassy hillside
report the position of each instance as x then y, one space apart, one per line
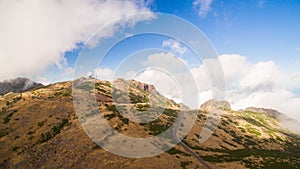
40 129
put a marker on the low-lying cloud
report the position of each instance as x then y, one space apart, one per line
248 84
260 84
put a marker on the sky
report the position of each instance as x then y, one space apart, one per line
257 43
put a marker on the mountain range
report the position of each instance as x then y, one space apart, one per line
39 128
18 85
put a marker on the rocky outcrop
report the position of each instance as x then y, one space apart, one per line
215 104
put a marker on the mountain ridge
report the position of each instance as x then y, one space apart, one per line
18 85
39 128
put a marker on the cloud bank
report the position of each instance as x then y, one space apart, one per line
36 34
248 84
261 84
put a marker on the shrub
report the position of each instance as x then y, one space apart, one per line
3 133
183 164
253 131
45 137
7 118
253 121
40 124
109 116
54 131
30 132
125 120
112 108
137 98
15 148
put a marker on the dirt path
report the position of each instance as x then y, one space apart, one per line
188 149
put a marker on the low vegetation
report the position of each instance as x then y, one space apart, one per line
8 117
54 131
249 139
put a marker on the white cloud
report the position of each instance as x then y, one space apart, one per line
42 80
203 7
262 76
68 71
103 73
175 46
205 95
260 84
165 70
280 99
202 78
240 68
170 75
130 75
291 81
164 83
166 61
35 34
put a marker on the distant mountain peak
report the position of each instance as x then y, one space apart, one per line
212 103
285 121
274 113
17 85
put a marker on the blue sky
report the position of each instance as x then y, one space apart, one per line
269 32
261 33
261 30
